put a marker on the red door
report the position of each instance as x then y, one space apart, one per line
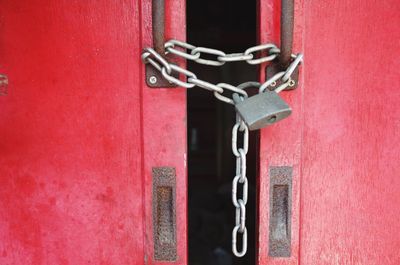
340 147
81 135
93 162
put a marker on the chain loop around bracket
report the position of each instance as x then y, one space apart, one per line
182 49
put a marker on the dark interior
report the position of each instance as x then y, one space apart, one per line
229 26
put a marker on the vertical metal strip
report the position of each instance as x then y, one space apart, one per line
164 213
287 22
286 45
154 79
158 25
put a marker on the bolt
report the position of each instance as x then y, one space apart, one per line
292 82
153 80
273 84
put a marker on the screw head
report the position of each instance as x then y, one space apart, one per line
292 82
153 80
273 84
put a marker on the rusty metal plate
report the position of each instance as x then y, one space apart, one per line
164 213
3 85
280 197
154 78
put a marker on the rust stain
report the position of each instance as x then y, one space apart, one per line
3 85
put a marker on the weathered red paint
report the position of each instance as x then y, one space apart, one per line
342 138
164 131
280 144
80 131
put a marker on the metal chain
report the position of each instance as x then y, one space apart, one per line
194 53
285 76
240 178
190 52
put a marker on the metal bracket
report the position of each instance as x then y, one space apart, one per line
286 36
275 68
154 78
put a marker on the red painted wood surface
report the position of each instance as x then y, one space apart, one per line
350 183
75 150
280 144
342 138
164 131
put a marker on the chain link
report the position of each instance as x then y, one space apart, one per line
240 204
235 57
209 51
234 242
175 80
265 47
191 52
170 48
206 85
194 53
285 76
150 52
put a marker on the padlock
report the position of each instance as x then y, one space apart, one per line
262 109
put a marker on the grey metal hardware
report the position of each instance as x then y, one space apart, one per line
156 62
154 77
285 58
262 109
253 113
158 24
287 23
240 179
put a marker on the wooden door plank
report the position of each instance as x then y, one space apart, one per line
70 133
164 132
350 200
280 144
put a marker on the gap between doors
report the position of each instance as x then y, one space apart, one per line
229 26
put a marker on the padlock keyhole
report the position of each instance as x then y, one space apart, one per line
272 119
